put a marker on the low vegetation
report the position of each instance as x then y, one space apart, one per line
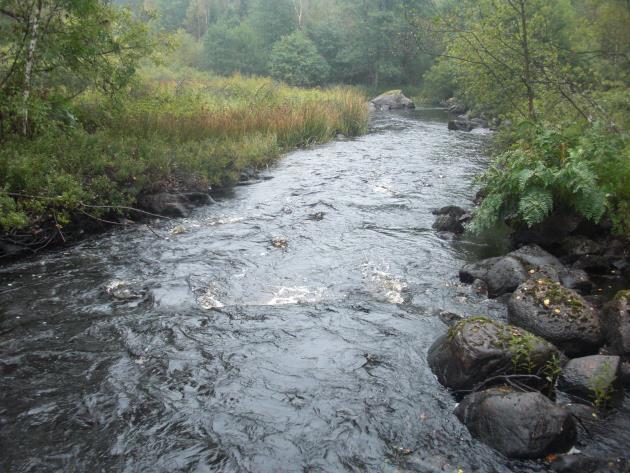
162 135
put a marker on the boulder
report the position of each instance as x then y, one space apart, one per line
557 314
455 107
502 274
448 223
616 323
597 264
478 348
166 204
518 424
593 379
549 232
450 219
573 247
392 100
460 124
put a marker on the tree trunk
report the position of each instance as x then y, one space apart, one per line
527 62
28 65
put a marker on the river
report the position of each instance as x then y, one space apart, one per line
282 329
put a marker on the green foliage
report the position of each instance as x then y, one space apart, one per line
169 134
549 168
233 49
601 385
295 60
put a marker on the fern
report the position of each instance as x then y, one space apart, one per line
546 169
535 205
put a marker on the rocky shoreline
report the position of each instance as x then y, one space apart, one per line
568 333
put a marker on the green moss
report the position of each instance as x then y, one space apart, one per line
557 299
480 320
625 294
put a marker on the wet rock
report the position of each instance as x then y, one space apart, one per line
455 107
579 463
593 379
9 250
576 279
594 264
392 100
573 247
624 371
480 287
549 232
198 198
502 274
476 349
616 323
278 242
518 424
557 314
460 124
166 204
123 291
453 210
534 257
449 318
448 223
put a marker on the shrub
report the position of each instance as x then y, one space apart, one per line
586 171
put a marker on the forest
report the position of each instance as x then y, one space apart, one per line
101 102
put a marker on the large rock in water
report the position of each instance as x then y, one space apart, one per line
392 100
450 219
503 274
616 323
557 314
518 424
476 349
593 379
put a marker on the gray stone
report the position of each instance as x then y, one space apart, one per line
593 379
557 314
392 100
518 424
476 349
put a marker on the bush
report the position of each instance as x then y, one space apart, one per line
584 170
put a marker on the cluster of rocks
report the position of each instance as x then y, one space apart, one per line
560 336
461 118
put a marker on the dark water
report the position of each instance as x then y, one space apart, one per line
245 357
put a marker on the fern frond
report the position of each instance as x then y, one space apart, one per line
535 204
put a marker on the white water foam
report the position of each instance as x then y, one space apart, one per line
296 295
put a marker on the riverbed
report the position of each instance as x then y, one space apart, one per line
282 329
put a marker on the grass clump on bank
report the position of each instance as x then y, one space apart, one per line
162 135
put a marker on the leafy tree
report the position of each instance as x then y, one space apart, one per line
52 50
271 20
295 60
233 49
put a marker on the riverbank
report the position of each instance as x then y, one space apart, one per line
160 148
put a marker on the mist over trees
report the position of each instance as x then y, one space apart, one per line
368 42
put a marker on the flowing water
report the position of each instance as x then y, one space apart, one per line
282 329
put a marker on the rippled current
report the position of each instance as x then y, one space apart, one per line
244 355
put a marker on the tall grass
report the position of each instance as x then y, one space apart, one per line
165 134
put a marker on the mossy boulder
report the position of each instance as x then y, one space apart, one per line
557 314
478 348
518 424
616 323
595 379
